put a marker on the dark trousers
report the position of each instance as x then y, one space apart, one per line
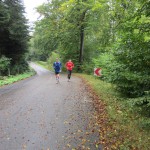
69 73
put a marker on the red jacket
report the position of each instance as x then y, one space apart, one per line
69 65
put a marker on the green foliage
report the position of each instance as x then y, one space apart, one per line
52 59
19 68
43 64
131 69
4 15
4 65
47 31
64 22
143 104
104 61
4 19
88 67
13 32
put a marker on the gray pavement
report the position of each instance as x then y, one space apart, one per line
38 114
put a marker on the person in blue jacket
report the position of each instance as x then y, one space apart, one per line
57 67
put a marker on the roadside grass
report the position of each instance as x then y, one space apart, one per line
124 122
11 79
43 64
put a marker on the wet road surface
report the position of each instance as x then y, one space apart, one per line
38 114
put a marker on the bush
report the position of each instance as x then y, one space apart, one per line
104 61
4 65
52 59
88 67
143 103
19 68
130 69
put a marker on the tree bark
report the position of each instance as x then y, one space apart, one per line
82 27
81 44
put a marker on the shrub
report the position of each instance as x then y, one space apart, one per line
4 65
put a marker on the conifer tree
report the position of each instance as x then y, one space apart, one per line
18 31
4 18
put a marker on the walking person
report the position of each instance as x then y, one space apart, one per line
69 66
57 67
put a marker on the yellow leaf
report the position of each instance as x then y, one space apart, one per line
96 145
83 141
69 145
79 130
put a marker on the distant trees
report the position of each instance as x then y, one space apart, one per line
13 34
69 27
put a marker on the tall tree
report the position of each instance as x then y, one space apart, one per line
4 19
17 31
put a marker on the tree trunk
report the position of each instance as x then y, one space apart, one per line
8 71
81 45
81 40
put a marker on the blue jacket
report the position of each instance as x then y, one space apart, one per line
57 66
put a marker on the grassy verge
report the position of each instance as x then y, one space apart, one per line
123 128
43 64
11 79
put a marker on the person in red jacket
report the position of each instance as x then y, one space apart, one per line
69 66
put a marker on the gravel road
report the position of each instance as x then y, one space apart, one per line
38 114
